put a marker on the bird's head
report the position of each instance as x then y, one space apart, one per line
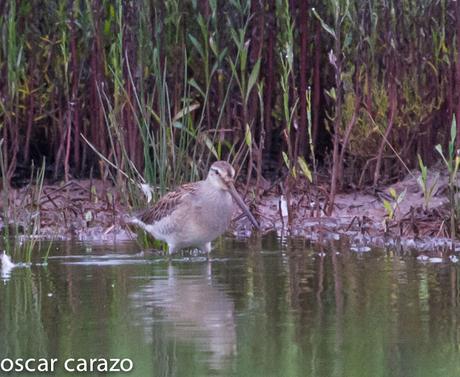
221 175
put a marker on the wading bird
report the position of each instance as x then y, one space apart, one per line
195 213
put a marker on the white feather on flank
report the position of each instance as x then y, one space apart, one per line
7 264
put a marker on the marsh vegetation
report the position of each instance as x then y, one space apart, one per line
307 99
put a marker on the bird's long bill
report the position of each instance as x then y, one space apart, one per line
243 205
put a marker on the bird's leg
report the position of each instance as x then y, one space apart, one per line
209 270
172 249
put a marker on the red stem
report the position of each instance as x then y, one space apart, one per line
303 73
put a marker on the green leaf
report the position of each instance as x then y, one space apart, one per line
286 160
243 58
186 111
94 193
233 67
213 45
331 93
193 83
305 170
392 192
248 137
433 185
234 72
423 169
347 41
203 25
210 146
235 37
214 68
323 24
213 5
438 148
401 196
156 116
457 164
252 78
107 27
421 183
222 54
420 161
197 45
453 134
388 207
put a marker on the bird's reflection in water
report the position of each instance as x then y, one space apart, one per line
187 310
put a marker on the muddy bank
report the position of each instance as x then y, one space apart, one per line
94 210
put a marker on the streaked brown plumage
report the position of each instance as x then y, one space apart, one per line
167 204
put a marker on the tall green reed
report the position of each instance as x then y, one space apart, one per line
160 88
22 221
452 163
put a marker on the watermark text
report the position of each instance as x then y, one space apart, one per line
72 365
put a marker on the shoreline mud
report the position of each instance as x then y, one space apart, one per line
93 210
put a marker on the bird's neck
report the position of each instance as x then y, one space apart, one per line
213 185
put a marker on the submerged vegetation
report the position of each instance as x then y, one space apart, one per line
153 91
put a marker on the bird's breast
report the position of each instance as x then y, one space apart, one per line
217 212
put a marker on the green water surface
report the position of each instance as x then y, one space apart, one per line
257 308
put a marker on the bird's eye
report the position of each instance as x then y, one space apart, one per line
216 171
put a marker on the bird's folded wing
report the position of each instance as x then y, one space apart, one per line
166 205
